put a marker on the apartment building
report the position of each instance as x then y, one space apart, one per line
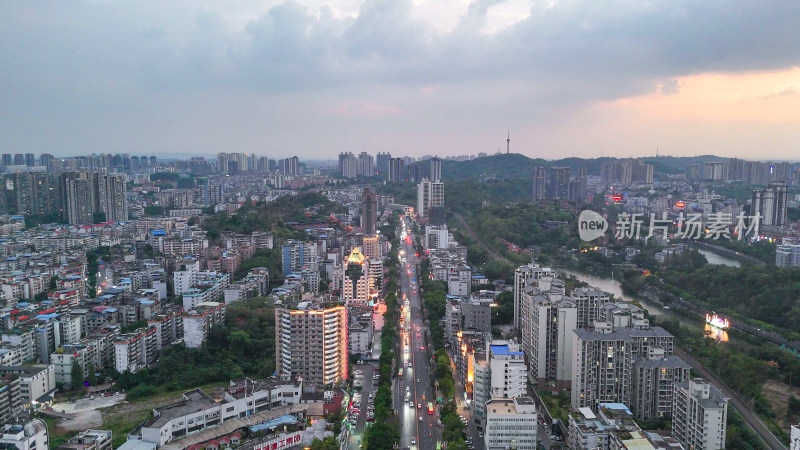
511 423
523 276
507 370
311 342
135 351
699 415
198 322
601 367
34 381
653 382
31 435
588 302
552 322
63 361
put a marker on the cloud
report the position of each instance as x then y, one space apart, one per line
670 87
788 92
109 69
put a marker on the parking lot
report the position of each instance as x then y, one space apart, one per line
363 410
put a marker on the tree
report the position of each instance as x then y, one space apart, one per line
77 375
328 444
380 436
91 376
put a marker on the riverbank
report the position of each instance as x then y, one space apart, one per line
694 320
738 256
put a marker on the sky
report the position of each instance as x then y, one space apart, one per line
313 78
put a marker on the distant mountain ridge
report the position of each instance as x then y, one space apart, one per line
515 165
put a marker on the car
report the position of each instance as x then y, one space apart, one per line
480 434
417 380
419 405
420 418
413 441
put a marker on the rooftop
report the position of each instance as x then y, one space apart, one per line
194 401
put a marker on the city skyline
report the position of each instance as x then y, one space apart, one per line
315 78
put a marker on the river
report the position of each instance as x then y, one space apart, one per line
716 258
614 287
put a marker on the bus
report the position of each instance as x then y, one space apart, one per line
430 408
400 373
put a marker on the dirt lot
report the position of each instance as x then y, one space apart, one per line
778 394
115 413
87 412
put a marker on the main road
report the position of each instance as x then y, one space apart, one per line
414 388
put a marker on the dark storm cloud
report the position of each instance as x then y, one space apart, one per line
86 65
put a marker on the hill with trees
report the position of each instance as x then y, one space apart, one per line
517 166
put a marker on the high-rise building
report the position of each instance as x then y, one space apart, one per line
34 193
348 165
507 370
552 323
653 381
366 165
430 194
511 423
437 216
382 163
290 166
539 183
523 276
30 159
715 171
7 160
19 159
115 201
423 197
292 256
695 171
222 162
372 248
558 187
578 186
481 385
357 284
699 415
311 343
770 203
436 169
588 302
601 367
626 172
78 197
369 212
437 194
396 169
